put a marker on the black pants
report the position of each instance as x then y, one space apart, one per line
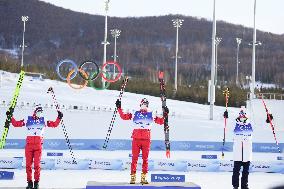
236 174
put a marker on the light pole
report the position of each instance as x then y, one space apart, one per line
177 24
217 42
24 19
254 44
115 34
212 86
105 42
239 40
253 53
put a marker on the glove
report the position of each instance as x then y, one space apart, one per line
60 115
8 113
168 153
166 109
226 115
118 104
267 119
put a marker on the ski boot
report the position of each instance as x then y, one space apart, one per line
235 187
36 185
143 179
132 178
30 185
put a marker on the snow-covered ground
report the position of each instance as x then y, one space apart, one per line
78 179
188 122
207 180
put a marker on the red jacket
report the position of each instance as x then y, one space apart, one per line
140 133
34 139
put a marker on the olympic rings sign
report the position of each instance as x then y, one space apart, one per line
88 73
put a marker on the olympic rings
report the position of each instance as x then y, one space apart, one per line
69 62
119 71
89 77
94 75
92 84
80 86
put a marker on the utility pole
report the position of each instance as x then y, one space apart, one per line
105 42
212 86
115 34
239 40
177 24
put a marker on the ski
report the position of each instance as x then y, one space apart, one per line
50 90
11 109
226 94
270 122
165 115
114 113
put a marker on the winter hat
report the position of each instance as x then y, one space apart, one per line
144 101
242 114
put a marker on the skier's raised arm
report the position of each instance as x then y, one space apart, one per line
14 122
124 116
57 121
160 120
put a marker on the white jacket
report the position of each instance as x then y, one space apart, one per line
242 148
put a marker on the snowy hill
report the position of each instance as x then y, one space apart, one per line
188 122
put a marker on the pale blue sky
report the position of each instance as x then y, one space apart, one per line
270 13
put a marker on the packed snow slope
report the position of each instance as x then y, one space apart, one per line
188 121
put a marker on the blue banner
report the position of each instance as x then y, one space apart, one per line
52 154
156 145
210 165
6 175
167 178
208 156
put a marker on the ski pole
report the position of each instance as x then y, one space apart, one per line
271 124
114 114
226 93
50 90
165 114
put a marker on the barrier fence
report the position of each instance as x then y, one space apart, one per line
156 145
154 165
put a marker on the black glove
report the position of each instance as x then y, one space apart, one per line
8 113
60 115
267 118
166 109
118 104
226 114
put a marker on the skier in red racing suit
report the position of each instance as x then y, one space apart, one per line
142 121
33 150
